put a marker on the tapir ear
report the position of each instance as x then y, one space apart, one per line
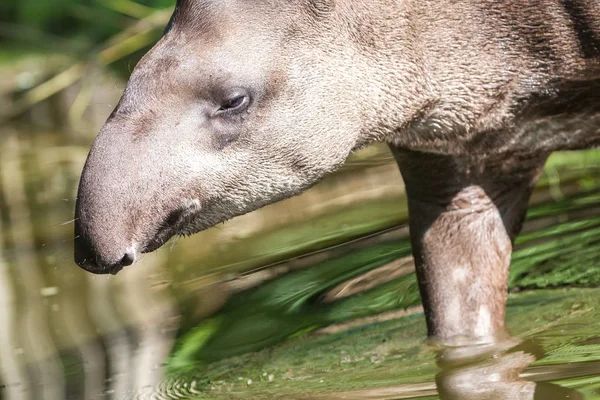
321 8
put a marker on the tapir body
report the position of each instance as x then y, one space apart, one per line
243 103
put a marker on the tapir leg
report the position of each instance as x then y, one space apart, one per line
464 216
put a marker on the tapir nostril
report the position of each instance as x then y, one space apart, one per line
127 259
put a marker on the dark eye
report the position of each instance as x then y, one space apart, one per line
235 103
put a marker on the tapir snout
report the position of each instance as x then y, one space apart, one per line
122 212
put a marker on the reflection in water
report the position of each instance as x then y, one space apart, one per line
496 372
479 372
32 331
483 372
492 372
253 310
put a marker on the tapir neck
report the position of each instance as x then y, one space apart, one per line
477 63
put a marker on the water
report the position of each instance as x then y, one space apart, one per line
313 297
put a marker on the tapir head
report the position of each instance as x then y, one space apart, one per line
240 104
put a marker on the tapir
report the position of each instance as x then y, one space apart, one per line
243 103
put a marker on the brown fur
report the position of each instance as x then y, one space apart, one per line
471 96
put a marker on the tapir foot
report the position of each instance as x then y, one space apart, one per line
464 215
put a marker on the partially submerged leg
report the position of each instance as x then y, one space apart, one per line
464 215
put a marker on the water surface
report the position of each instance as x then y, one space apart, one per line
312 297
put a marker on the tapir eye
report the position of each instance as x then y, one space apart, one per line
235 103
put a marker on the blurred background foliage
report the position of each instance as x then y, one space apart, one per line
49 46
76 27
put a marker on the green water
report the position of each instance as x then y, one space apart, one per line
313 297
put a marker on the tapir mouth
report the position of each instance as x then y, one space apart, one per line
160 238
172 224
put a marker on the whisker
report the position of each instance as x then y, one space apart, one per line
173 241
69 222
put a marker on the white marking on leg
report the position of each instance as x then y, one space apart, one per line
484 322
460 275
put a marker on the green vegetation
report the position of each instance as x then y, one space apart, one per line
263 335
393 353
561 255
68 38
73 26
